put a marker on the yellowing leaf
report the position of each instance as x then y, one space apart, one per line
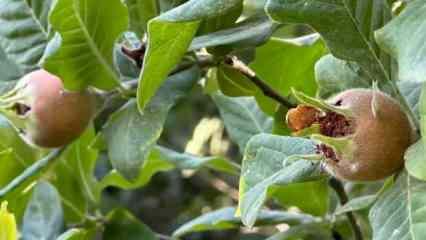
7 224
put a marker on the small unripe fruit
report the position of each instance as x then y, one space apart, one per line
51 116
378 133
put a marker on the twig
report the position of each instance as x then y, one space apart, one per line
343 198
267 90
31 171
202 61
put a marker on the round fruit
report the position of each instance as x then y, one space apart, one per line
50 116
380 133
372 138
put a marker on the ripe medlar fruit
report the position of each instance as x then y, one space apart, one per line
366 144
45 114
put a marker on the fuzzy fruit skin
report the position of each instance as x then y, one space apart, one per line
57 117
379 141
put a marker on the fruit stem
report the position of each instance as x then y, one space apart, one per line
31 171
267 90
343 198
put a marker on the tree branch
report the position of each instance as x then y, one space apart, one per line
202 61
31 171
343 198
267 90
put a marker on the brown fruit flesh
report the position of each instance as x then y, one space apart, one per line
380 141
57 116
301 117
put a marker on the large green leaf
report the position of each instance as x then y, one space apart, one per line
83 53
276 65
162 159
225 219
169 36
140 12
122 225
243 118
10 73
74 177
15 157
131 134
23 31
250 32
410 54
405 39
41 9
44 216
15 154
347 27
400 213
310 197
334 75
265 165
415 160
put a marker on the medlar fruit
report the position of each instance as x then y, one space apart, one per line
366 144
45 114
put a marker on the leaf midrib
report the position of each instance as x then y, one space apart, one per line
91 43
364 39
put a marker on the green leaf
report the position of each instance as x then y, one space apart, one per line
11 73
225 219
248 33
130 134
169 36
23 33
88 30
44 216
15 157
40 9
312 231
410 52
74 177
265 165
161 159
415 155
347 28
140 12
233 83
122 225
310 197
221 19
357 204
242 117
275 64
399 212
334 75
15 154
411 91
415 160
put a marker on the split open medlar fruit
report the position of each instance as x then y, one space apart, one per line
45 114
366 141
